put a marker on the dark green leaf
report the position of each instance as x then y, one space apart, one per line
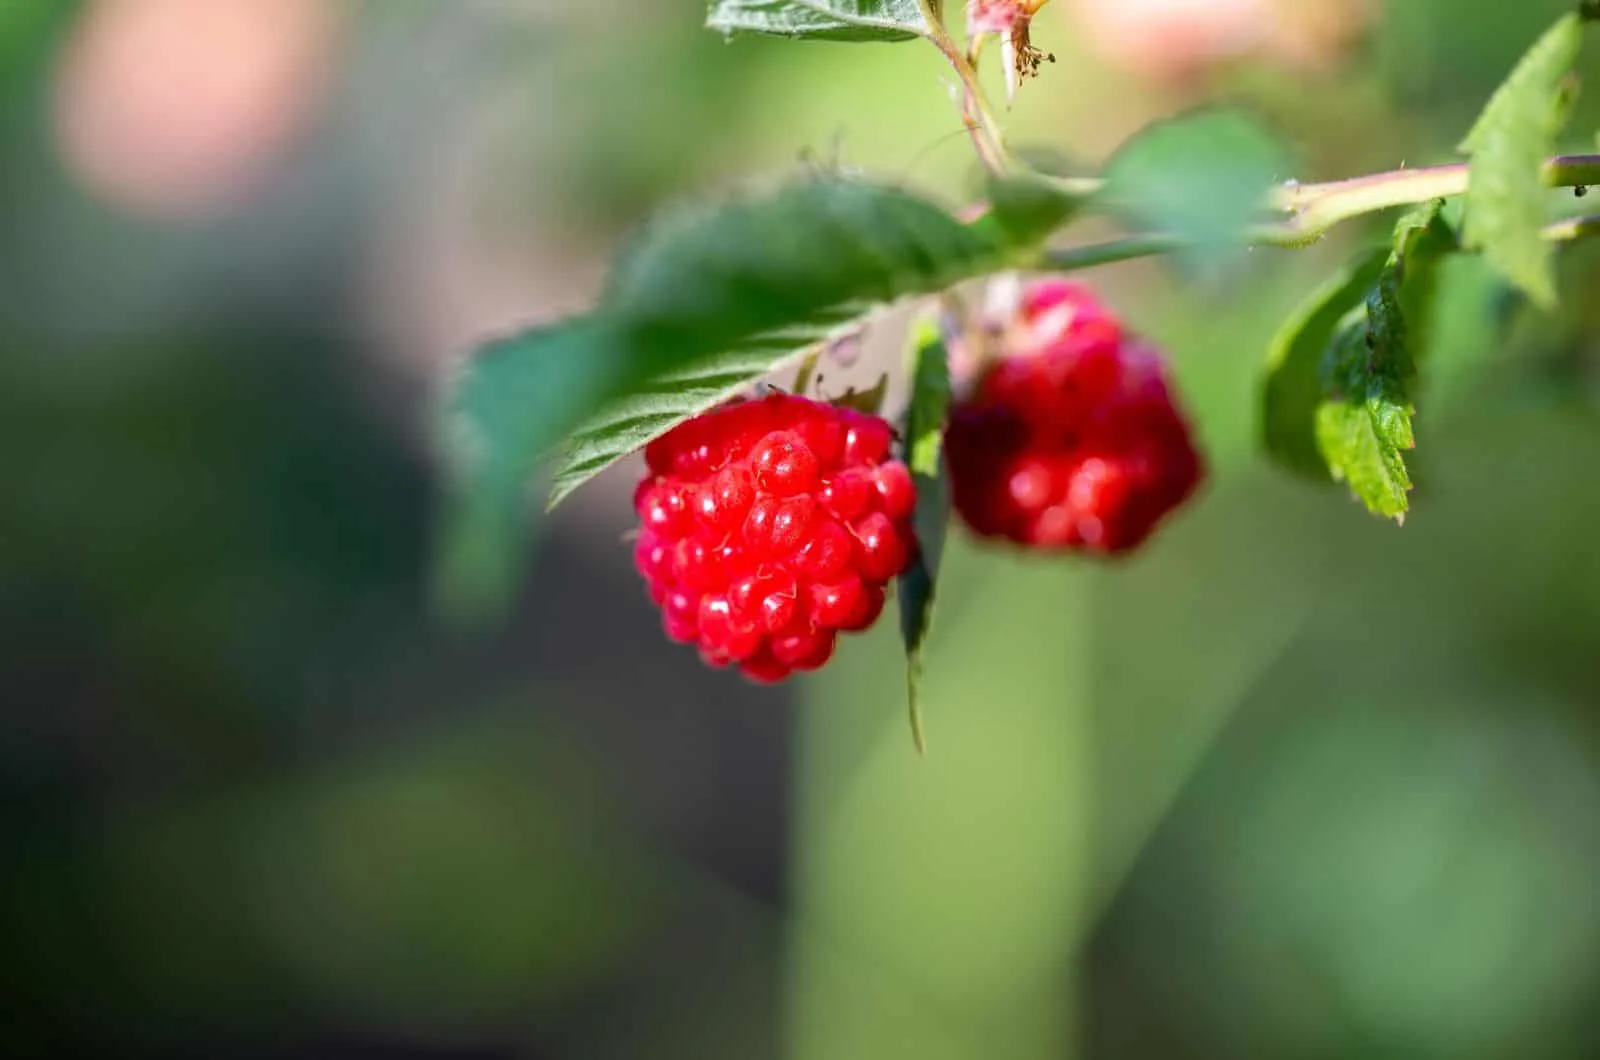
1292 388
1505 202
925 420
1338 396
513 402
1200 178
844 20
765 279
718 275
1364 424
1422 239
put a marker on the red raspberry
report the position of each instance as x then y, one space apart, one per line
1074 439
770 527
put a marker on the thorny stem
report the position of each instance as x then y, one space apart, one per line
975 113
1315 208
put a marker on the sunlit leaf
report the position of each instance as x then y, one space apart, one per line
1363 424
1292 389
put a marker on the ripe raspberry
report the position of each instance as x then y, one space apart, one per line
1073 440
771 526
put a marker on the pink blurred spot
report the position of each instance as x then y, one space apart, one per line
175 108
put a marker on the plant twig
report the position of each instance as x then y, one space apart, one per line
1146 245
1315 208
975 111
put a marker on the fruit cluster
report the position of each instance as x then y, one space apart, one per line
769 527
1073 439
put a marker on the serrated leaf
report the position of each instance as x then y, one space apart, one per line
924 433
839 20
766 279
629 424
1505 201
1422 239
1364 422
1201 178
1292 388
1344 367
1364 426
706 301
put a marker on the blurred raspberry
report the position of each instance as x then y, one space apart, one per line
1073 439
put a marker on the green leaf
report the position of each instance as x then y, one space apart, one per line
709 278
1201 178
729 294
1337 398
842 20
1505 201
629 424
1364 426
1292 388
706 301
1422 238
925 420
512 402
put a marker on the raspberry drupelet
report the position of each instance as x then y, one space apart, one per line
1073 439
770 526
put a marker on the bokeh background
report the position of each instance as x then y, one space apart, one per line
1291 784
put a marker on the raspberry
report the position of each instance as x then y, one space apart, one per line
770 526
1073 440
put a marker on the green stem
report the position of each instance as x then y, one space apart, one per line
1069 259
1315 208
981 123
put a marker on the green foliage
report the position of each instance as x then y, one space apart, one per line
930 402
710 299
1292 388
1363 423
1363 426
706 301
1336 399
840 20
1201 178
1508 144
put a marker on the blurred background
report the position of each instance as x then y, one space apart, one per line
1292 783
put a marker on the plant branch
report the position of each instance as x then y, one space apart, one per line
1070 259
975 111
1315 208
1146 245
